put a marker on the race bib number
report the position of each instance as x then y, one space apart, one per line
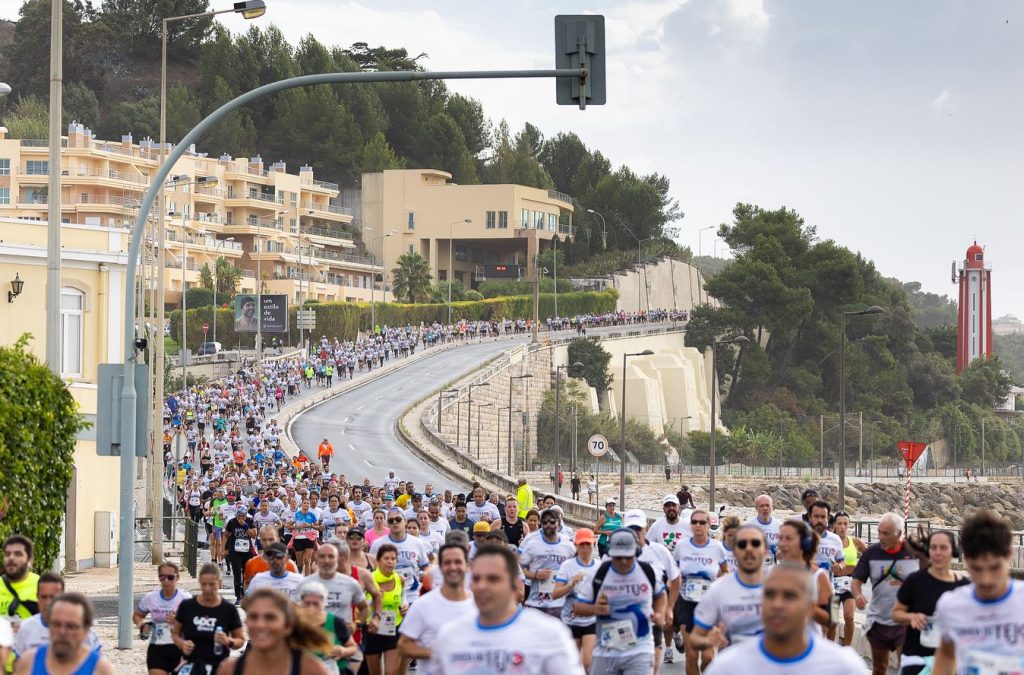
408 578
769 560
388 622
930 634
242 545
161 634
546 586
618 635
980 663
694 589
842 584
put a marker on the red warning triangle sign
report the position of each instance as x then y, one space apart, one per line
911 452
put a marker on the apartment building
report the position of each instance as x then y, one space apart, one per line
93 264
289 229
508 224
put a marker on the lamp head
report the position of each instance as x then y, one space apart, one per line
5 89
251 9
17 284
874 309
646 352
577 364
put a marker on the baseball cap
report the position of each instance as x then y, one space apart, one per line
585 535
358 529
481 527
277 548
610 500
670 499
634 518
550 512
389 497
622 544
810 492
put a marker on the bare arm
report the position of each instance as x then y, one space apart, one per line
821 612
563 589
901 614
945 659
702 638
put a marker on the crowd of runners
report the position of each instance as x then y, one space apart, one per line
375 574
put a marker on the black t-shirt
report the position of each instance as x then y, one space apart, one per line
237 531
920 593
199 623
575 483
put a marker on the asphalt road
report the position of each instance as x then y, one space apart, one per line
360 423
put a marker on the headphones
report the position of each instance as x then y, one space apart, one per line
806 535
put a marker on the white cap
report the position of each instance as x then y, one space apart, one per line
634 518
670 499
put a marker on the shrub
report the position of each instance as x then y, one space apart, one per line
38 424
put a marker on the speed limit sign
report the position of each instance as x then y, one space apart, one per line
597 445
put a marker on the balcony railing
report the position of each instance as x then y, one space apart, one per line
560 196
176 264
207 218
327 232
249 274
257 172
253 221
329 208
209 192
40 142
320 183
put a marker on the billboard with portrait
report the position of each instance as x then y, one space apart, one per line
274 314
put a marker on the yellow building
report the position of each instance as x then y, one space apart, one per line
509 224
288 228
92 328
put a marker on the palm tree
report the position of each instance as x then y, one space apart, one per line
411 278
229 277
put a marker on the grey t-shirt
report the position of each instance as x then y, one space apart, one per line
886 570
342 593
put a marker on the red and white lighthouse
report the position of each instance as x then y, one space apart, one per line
974 314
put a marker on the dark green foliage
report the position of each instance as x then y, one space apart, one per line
411 278
499 287
197 297
985 383
930 310
1010 350
39 421
595 360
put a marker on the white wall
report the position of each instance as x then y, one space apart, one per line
666 284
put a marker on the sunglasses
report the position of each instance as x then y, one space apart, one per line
168 577
392 521
548 521
698 522
742 544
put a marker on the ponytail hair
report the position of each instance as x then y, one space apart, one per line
304 633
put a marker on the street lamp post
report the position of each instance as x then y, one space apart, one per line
482 405
558 399
216 279
700 239
554 268
604 229
447 393
373 278
712 466
622 447
469 416
510 380
874 309
451 263
250 9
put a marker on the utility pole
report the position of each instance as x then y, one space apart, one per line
536 300
53 337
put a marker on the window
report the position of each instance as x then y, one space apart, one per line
525 219
491 220
412 220
552 222
293 199
460 252
410 249
37 167
503 220
72 303
5 167
979 256
5 195
538 220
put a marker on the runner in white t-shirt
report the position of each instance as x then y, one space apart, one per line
277 577
787 647
982 625
628 600
503 638
570 574
447 602
541 557
768 524
413 555
701 560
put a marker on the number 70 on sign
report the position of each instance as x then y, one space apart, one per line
598 445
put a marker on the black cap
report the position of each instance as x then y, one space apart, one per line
809 492
358 529
278 548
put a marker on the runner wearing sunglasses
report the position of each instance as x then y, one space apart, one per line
730 611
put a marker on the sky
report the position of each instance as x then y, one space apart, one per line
895 128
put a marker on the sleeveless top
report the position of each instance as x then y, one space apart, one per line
514 532
851 553
390 600
611 523
295 669
88 666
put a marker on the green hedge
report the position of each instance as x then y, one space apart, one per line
39 422
345 319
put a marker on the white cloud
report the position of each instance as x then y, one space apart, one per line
943 104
